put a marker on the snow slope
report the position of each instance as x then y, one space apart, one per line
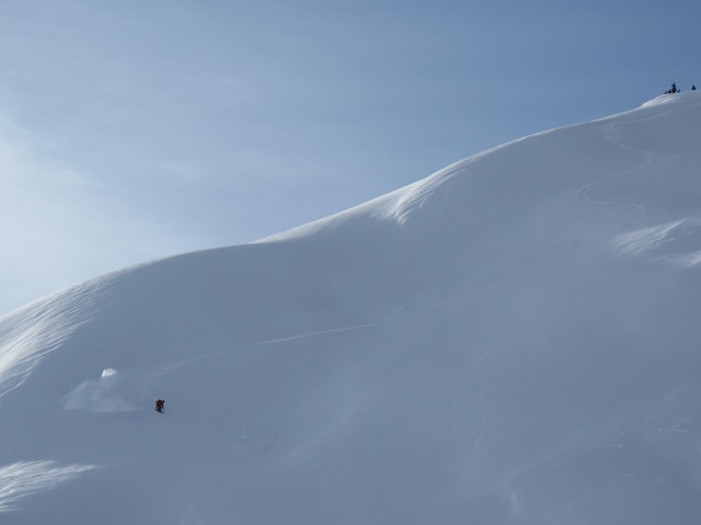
513 340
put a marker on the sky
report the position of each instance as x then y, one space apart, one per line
131 130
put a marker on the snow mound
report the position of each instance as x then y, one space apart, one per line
107 394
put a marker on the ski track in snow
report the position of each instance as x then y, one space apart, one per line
387 320
611 135
294 337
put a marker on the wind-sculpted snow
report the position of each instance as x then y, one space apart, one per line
29 334
513 339
25 478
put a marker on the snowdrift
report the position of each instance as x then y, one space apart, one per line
513 339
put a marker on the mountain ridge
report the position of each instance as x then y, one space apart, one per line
508 340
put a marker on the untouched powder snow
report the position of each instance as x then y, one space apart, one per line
513 340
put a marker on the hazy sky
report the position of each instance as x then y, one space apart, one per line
133 130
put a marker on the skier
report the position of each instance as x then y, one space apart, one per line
159 405
693 87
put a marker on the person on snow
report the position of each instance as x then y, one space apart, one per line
693 87
159 405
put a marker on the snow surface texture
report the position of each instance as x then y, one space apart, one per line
513 340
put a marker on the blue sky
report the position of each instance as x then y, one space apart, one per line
136 130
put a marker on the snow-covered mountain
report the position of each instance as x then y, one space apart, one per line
513 340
